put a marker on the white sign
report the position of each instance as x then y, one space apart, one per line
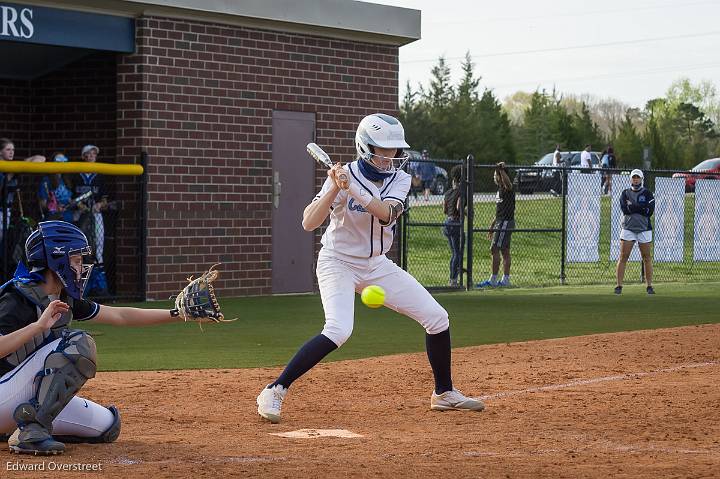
583 218
707 221
669 234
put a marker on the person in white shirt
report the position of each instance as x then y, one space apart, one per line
557 156
363 200
586 159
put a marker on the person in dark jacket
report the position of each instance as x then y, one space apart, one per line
638 205
426 171
453 205
502 226
607 161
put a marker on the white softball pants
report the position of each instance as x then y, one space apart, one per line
341 276
81 417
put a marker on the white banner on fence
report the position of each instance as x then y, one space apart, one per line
619 184
669 223
583 218
707 221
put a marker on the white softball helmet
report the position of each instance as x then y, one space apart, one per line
383 131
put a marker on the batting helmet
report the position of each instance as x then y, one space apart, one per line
51 245
383 131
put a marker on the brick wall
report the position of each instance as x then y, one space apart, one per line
75 106
199 99
15 114
63 111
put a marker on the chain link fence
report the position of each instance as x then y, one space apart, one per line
567 225
106 208
426 250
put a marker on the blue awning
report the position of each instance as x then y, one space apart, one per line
66 28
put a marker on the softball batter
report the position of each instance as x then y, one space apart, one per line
363 205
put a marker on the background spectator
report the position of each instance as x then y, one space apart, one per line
91 219
503 224
557 157
453 205
638 204
8 193
427 174
55 196
586 160
607 161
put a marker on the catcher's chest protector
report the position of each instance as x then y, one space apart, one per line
41 300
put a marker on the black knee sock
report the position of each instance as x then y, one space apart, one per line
307 356
438 351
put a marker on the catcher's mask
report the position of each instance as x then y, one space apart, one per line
52 245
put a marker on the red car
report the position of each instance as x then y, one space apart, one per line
707 170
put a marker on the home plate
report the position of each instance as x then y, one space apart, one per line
313 433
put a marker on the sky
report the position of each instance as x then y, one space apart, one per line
628 50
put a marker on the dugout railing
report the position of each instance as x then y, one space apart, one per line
566 228
110 212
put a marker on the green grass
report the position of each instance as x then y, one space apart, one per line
536 256
271 329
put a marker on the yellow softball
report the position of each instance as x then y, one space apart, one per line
373 296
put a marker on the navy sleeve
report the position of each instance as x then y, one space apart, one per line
623 203
14 314
9 322
651 204
84 310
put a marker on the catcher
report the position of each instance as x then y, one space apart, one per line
45 363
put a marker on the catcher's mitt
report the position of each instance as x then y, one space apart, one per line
197 301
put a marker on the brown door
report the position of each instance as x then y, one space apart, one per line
293 188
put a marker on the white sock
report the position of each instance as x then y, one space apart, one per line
506 278
493 278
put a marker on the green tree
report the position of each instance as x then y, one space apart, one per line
704 95
414 117
628 143
587 130
679 134
493 137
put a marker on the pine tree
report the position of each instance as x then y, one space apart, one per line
628 144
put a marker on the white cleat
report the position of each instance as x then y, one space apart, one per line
270 403
454 401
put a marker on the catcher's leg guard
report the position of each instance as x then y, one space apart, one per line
66 371
111 435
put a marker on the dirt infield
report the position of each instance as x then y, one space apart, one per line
640 404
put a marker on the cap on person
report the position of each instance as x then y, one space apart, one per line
88 148
637 172
60 157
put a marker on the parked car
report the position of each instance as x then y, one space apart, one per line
706 170
439 184
530 180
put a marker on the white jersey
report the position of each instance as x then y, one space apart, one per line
585 159
352 230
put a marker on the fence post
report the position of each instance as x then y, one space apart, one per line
142 227
469 176
563 235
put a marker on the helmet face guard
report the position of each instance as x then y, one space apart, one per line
52 246
396 163
73 281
